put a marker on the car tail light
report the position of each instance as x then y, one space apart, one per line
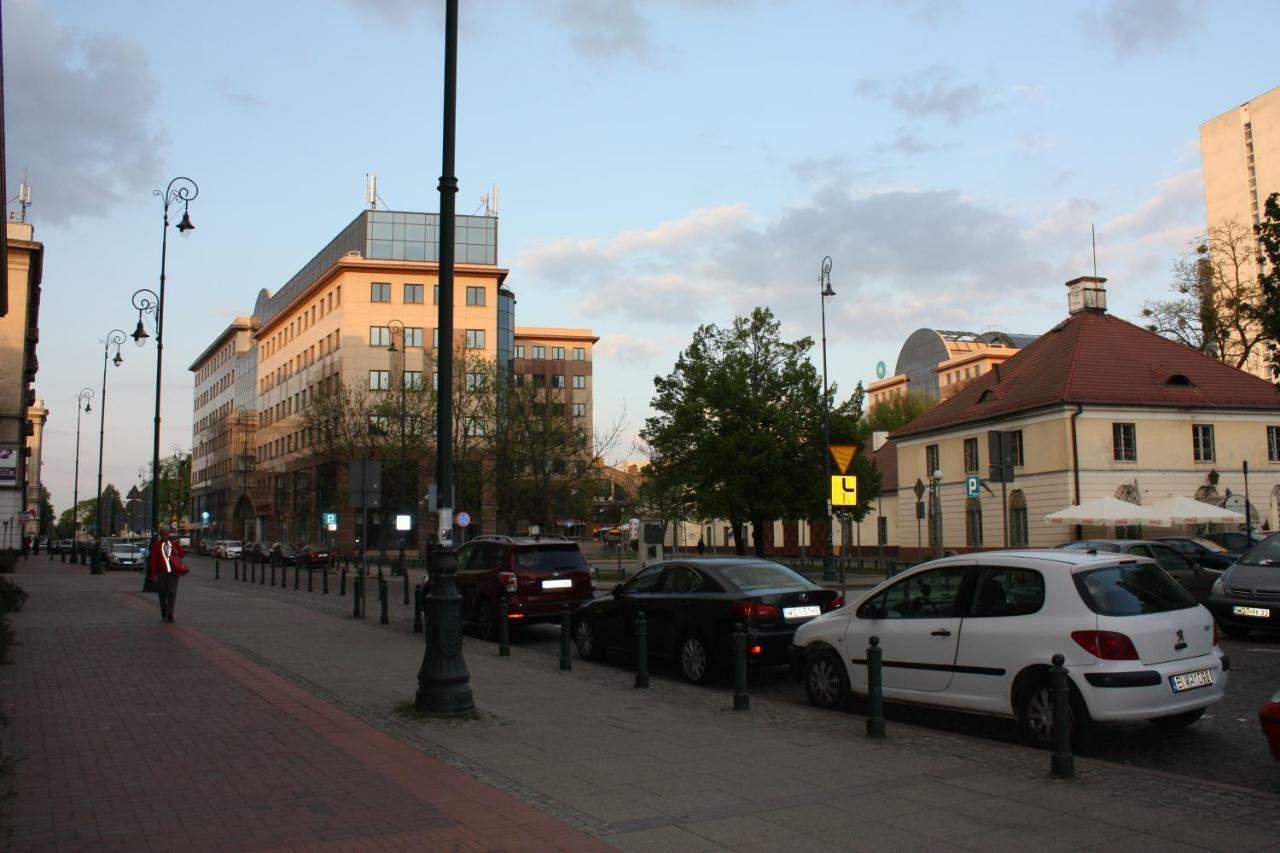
754 610
508 581
1107 645
835 603
756 650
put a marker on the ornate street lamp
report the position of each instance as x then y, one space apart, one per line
115 338
82 405
825 291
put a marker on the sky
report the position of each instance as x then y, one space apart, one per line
661 164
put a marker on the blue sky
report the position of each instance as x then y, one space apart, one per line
661 164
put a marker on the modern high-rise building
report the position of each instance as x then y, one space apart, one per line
19 334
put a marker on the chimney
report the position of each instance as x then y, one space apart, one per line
878 439
1087 294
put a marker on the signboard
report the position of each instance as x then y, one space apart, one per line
329 518
918 488
843 454
1000 454
404 521
463 519
8 466
971 486
364 483
844 491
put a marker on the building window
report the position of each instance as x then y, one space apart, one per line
557 353
970 455
379 425
413 336
1202 442
579 410
1019 532
519 350
475 382
379 380
580 382
475 426
413 294
931 463
412 380
1124 442
380 291
379 336
557 380
1273 444
579 354
435 295
435 339
1015 443
475 338
882 530
539 351
475 295
973 522
539 380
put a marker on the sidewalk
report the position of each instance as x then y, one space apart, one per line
266 719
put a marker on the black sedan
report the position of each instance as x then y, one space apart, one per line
1247 596
691 607
1207 553
1193 577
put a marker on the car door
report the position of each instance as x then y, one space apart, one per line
636 595
918 622
1002 631
464 580
1193 577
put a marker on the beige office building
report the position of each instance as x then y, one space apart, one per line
19 334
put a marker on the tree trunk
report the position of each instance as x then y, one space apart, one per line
739 546
757 528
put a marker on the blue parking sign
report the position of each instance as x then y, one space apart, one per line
971 486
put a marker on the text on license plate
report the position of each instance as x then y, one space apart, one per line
806 612
559 583
1252 611
1191 680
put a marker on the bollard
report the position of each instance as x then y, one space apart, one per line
741 699
875 690
63 554
504 627
324 580
342 583
405 572
235 569
273 573
297 577
262 577
566 662
217 570
311 586
642 651
382 594
417 609
1062 764
253 571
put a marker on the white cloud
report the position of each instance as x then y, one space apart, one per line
631 349
1135 26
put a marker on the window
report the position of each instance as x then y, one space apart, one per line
579 354
928 595
475 338
557 380
1019 532
379 380
557 353
435 295
379 336
413 294
970 454
413 336
882 530
1202 442
1131 590
519 350
412 380
539 380
539 351
475 381
475 295
435 339
579 382
973 522
1124 442
380 291
931 463
1273 444
579 410
681 580
379 425
646 581
1006 591
1015 442
475 426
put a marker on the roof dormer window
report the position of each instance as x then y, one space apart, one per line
1179 379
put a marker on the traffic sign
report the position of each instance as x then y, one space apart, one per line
971 485
918 488
844 491
329 518
843 454
463 519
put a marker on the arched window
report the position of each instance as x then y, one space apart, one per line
973 522
1019 532
1129 494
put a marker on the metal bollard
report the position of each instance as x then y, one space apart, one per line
235 569
273 573
1063 764
217 570
342 583
566 662
642 651
741 699
504 627
324 580
311 584
262 578
297 576
405 572
875 690
417 609
355 596
253 571
382 594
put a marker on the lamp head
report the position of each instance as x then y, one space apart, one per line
185 227
139 334
392 346
117 361
827 292
87 407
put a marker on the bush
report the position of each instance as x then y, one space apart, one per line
12 596
6 639
8 561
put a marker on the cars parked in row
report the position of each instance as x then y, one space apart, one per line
976 633
1247 596
1235 541
314 554
1203 551
125 556
1194 578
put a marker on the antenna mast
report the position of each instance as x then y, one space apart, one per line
1093 236
371 190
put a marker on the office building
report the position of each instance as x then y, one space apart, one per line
936 362
19 335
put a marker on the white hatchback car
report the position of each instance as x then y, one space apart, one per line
977 633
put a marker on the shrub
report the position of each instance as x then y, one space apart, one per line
12 596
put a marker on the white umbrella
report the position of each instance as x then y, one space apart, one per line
1177 510
1105 512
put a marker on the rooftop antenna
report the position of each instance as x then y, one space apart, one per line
371 190
489 201
24 195
1093 235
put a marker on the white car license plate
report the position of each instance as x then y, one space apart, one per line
1191 680
806 612
558 583
1262 612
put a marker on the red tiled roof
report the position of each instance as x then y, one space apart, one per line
1099 359
886 459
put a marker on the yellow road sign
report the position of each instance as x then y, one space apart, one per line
843 454
844 491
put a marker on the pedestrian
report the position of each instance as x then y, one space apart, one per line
702 548
35 546
165 567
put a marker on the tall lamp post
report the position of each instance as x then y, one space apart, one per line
82 405
824 283
115 338
401 503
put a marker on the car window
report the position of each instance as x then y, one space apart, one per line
488 557
1182 545
1210 545
465 553
646 581
550 558
1140 550
681 580
1131 589
1265 553
1006 591
761 575
928 595
1170 560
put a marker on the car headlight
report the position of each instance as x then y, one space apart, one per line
1219 588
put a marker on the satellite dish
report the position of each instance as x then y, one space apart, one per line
881 370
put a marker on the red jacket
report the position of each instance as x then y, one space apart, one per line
155 561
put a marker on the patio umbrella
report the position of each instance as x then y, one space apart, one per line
1105 512
1177 510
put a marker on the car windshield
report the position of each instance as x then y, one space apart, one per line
1211 546
1267 553
1131 589
122 549
550 558
761 575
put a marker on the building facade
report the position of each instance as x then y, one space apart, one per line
936 362
19 335
37 414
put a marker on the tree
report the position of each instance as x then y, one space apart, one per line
898 410
849 425
46 512
1217 293
175 486
1267 310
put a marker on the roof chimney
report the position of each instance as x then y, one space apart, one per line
1087 294
878 439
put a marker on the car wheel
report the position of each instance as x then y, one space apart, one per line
1233 630
486 620
1179 721
587 640
695 659
1035 714
826 682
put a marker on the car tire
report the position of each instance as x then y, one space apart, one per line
587 639
826 682
694 657
1233 631
486 620
1035 715
1179 721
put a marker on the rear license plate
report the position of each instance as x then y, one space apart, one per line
558 583
806 612
1261 612
1191 680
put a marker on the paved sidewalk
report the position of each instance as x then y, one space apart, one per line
266 718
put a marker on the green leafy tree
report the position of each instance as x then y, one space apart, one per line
175 486
1267 311
46 512
898 410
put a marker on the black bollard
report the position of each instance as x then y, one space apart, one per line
1063 764
253 571
311 585
405 573
342 583
875 690
566 662
63 555
297 576
642 651
273 573
235 570
355 596
383 619
217 570
417 610
324 580
262 579
504 627
741 699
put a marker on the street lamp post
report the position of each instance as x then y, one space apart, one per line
82 405
824 283
401 504
115 338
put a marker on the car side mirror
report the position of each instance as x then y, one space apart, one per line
617 591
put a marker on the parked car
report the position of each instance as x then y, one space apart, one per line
1247 596
314 554
124 555
282 554
1206 552
1235 541
1194 578
979 635
1269 717
692 605
230 549
537 574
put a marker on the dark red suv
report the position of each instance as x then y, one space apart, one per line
538 575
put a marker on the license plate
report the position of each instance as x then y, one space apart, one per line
1191 680
559 583
806 612
1261 612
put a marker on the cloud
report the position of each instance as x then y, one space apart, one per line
623 348
235 97
928 93
613 29
1135 26
79 115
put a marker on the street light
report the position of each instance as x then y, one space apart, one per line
825 291
115 338
392 325
82 404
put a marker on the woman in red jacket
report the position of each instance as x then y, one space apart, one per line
165 566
